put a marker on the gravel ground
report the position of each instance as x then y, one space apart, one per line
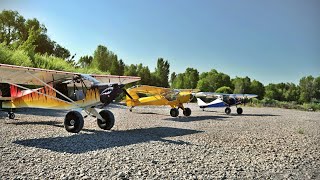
263 143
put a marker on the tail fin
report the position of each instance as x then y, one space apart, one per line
200 102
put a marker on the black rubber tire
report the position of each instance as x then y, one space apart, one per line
239 110
11 115
108 120
77 118
227 110
174 112
187 112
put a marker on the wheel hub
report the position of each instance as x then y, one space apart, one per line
72 122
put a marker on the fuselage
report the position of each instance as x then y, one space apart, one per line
172 99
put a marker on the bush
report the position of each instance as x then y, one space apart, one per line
266 102
311 106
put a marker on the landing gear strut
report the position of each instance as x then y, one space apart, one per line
131 108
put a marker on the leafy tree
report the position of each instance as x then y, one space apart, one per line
317 88
114 65
272 92
211 81
15 32
100 57
292 92
282 92
186 80
191 78
241 85
179 81
33 23
308 89
154 79
44 45
85 61
162 73
11 27
107 61
203 85
257 88
144 73
172 78
61 52
121 67
130 70
28 45
224 89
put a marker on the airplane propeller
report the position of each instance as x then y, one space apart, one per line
109 93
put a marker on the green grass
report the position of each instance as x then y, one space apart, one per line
300 131
23 58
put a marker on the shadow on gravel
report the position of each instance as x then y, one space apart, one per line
35 122
41 112
260 115
146 113
151 113
84 142
206 110
3 115
196 118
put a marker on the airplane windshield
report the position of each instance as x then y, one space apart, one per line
172 95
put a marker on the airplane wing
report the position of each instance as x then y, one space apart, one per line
149 89
205 94
116 79
33 76
245 95
189 90
211 94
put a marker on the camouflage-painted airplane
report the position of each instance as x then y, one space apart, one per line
22 87
214 100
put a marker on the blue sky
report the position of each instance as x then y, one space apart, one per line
268 40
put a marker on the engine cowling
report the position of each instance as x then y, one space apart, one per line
109 92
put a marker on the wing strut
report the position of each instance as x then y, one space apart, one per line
35 91
54 89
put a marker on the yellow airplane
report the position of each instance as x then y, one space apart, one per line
150 95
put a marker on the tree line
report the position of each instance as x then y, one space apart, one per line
29 36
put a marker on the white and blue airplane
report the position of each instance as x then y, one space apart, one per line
216 100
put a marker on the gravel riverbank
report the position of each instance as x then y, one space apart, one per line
263 143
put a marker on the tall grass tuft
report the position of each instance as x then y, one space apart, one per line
50 62
21 57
